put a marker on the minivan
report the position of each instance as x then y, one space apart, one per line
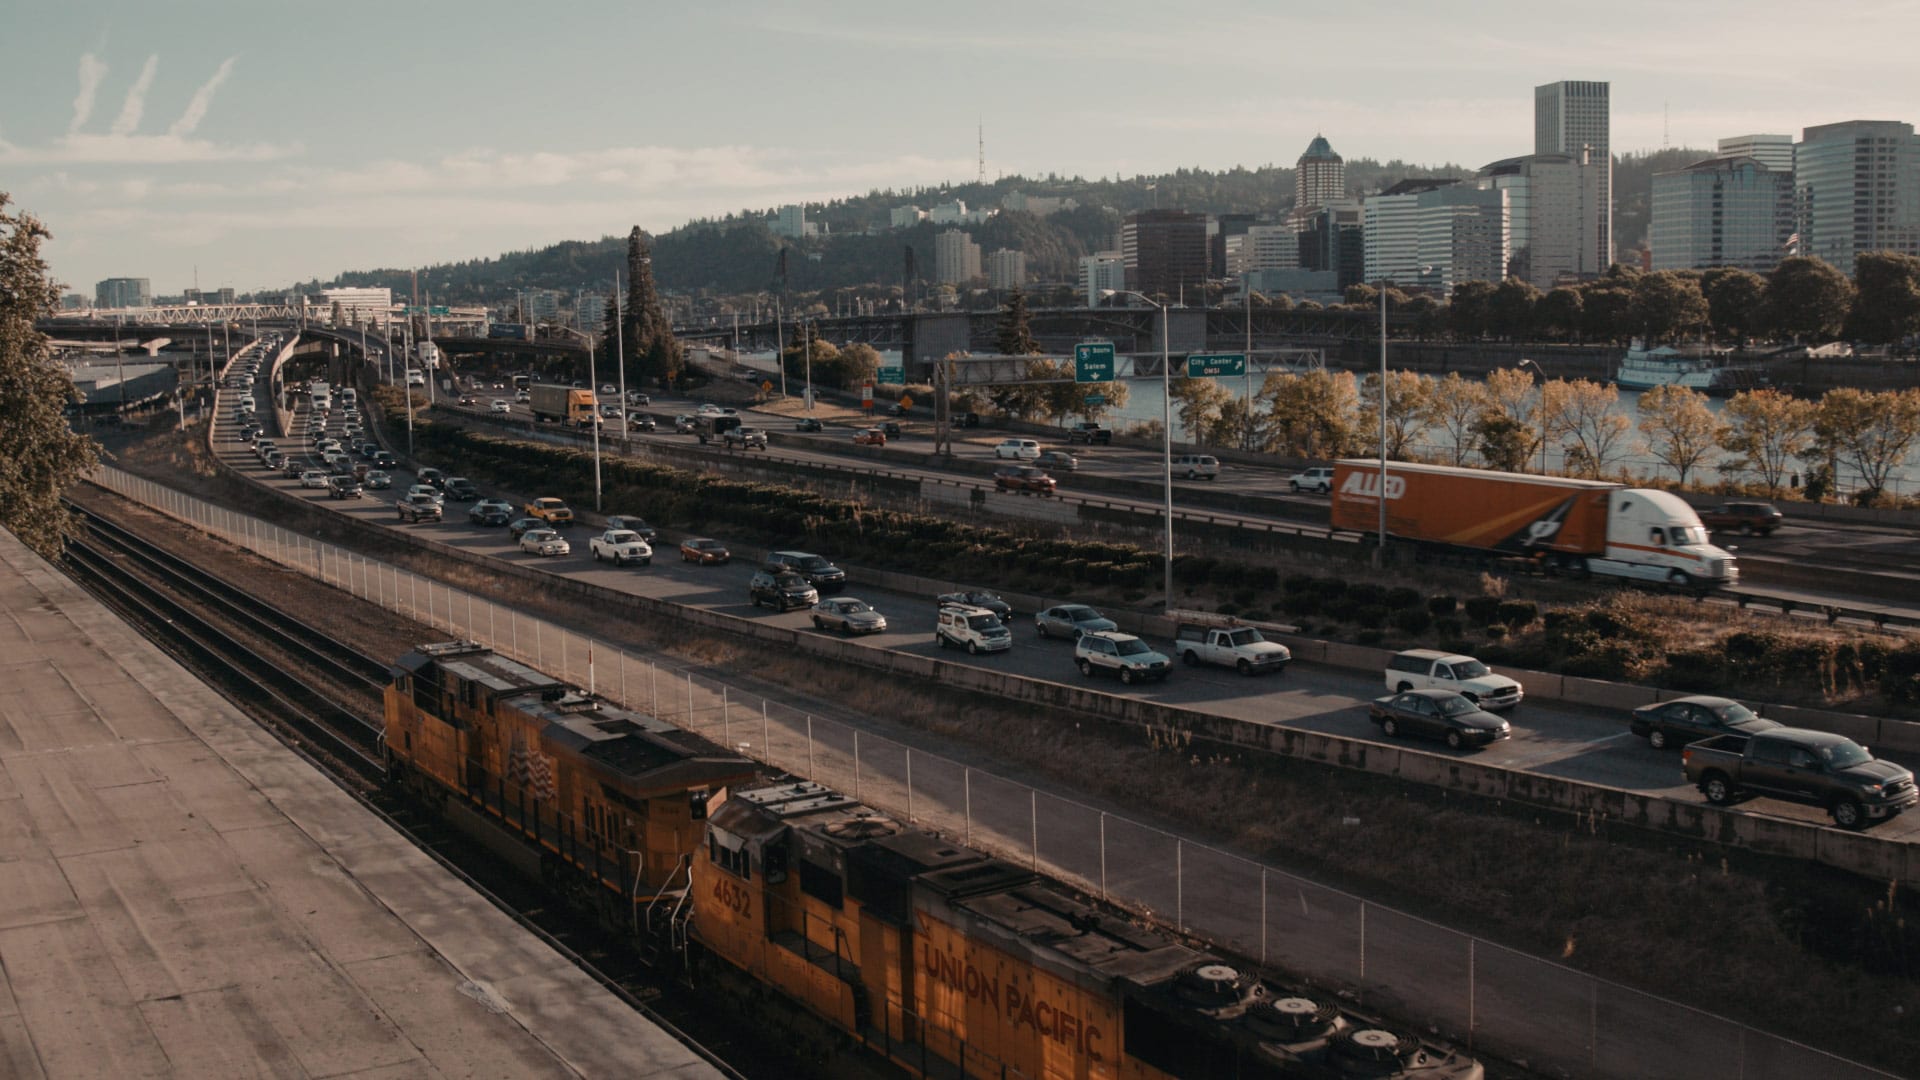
1197 466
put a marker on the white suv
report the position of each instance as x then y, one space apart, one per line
1319 478
1017 449
1431 669
975 628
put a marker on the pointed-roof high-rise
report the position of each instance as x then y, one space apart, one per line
1319 177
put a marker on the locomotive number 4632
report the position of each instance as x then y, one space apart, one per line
731 895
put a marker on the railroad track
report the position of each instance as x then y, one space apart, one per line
171 601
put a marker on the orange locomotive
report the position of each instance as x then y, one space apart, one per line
611 799
952 963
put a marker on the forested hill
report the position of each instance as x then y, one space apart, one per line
737 253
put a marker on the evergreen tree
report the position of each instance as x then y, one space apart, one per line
1014 337
652 350
40 456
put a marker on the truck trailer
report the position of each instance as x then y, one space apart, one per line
1575 527
563 403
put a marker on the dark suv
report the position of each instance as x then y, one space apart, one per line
820 573
781 588
1745 518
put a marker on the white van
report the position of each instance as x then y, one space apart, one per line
1197 466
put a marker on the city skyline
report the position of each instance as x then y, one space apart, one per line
276 146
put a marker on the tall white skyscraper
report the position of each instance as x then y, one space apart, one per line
1856 189
1569 117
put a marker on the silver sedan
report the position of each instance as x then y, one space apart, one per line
848 615
1070 621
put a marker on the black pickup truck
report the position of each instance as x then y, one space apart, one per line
1089 432
1812 767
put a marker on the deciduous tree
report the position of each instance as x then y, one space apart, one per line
40 455
1502 441
1470 310
1598 430
1452 408
1605 311
1511 308
1667 305
1407 396
1767 429
1807 299
1310 415
1558 313
1679 429
1198 403
1734 301
1871 431
1886 301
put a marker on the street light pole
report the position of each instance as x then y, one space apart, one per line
1166 435
593 392
1380 553
1537 370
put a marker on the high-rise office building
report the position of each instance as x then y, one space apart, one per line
956 258
790 221
1319 177
1571 117
1101 273
1550 202
1857 189
1771 151
1165 251
1435 234
123 292
1724 211
1335 240
1007 269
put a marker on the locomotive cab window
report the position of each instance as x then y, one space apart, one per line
729 853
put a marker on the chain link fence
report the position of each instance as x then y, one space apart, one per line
1446 984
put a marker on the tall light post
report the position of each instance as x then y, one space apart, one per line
1166 434
1380 552
593 393
1522 366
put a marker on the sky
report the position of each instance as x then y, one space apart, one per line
255 144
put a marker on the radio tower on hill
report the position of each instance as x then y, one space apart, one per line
981 130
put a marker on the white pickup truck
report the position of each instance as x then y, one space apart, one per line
622 546
1241 648
1431 669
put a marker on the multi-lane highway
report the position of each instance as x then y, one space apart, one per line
1580 744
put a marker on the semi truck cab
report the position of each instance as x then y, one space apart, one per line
1656 536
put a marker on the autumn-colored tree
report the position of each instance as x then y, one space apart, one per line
1407 396
1768 430
1537 409
1679 429
1596 428
40 455
1024 401
1871 431
1198 403
1452 408
1502 441
1061 400
1310 414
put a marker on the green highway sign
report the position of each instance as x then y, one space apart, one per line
420 309
1213 365
1096 399
1093 362
895 374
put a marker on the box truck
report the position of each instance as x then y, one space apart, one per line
1576 527
563 403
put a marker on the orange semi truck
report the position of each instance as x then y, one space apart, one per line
1577 527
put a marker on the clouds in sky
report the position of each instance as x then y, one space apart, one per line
92 71
202 99
136 104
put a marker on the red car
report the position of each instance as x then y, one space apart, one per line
699 549
872 436
1023 478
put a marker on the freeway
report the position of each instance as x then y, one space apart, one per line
1585 745
1891 551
